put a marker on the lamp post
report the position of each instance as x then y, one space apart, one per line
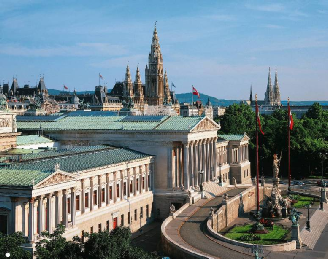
308 227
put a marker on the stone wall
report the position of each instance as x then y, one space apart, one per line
237 206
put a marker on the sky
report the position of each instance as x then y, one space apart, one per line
220 47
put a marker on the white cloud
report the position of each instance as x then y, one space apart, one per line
80 49
267 8
273 26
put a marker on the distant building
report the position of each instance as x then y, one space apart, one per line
272 94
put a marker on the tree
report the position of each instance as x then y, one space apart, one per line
12 244
57 247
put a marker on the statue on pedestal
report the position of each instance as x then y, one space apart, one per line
276 165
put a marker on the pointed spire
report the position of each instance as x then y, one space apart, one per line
127 74
138 77
269 77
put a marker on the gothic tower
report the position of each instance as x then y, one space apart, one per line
138 89
269 94
127 85
154 90
276 91
167 89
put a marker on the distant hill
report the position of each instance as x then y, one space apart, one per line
57 92
186 98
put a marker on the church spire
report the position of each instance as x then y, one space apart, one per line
167 89
269 94
127 85
276 90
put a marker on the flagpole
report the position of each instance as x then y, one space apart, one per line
257 158
99 78
192 100
289 172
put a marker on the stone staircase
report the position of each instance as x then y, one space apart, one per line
213 189
318 222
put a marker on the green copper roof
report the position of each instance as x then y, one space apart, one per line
32 139
21 177
129 123
232 137
36 167
81 161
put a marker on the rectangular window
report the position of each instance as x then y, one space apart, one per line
103 195
129 218
137 185
124 189
86 200
149 181
131 186
107 225
135 215
143 182
141 212
99 227
77 202
118 190
95 197
147 211
91 230
110 192
122 220
69 205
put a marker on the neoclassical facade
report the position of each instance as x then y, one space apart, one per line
184 147
86 189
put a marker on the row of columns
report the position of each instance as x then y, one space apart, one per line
187 160
61 211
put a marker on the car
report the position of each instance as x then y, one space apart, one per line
308 182
282 182
300 183
322 182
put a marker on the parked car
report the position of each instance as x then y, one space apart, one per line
321 182
300 183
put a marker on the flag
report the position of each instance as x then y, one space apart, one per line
290 119
258 118
173 85
65 87
100 76
195 92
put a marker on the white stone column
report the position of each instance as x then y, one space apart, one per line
49 213
40 213
91 193
191 164
99 191
181 166
73 206
58 207
215 155
177 166
208 159
107 189
24 207
170 171
196 169
31 219
146 180
65 209
128 183
82 196
186 166
239 155
134 181
114 187
14 226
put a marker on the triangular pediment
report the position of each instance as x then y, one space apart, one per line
55 178
206 124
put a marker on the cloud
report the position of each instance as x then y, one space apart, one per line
273 26
132 61
267 8
79 49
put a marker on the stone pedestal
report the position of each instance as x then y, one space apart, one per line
296 235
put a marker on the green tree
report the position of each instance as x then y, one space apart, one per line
56 246
12 244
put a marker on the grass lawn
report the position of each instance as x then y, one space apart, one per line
302 201
275 236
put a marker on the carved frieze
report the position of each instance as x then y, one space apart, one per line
205 125
56 178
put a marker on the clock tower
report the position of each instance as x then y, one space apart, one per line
154 88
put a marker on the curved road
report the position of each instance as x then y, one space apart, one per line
194 233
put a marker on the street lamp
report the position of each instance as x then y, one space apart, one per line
308 227
7 255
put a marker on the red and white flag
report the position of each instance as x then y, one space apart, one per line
100 76
195 92
290 119
258 118
65 87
